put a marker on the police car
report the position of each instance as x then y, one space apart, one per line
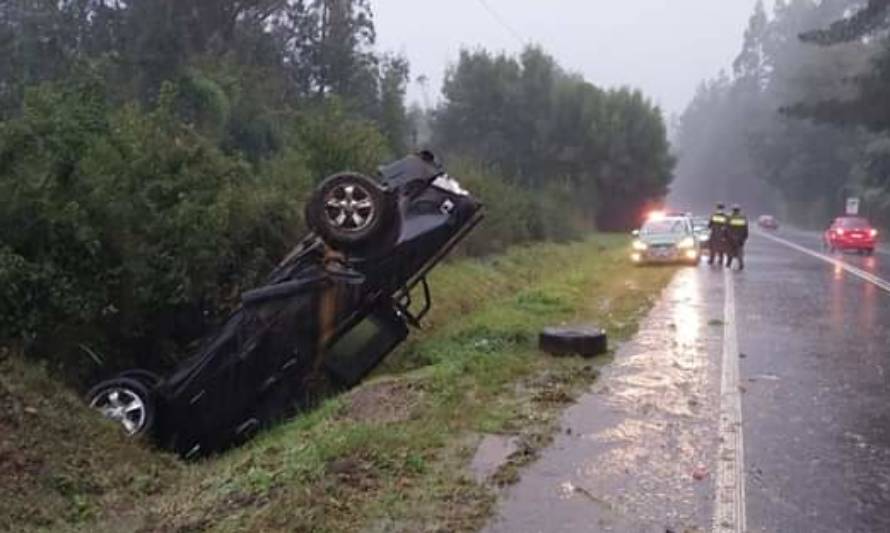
666 238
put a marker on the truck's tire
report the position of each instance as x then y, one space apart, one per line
127 401
350 210
146 377
583 341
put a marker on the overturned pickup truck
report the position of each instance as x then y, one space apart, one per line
326 317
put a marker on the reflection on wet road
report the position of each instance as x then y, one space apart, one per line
817 432
878 264
635 453
640 451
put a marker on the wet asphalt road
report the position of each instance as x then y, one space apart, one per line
647 448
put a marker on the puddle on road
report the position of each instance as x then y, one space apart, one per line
493 452
633 459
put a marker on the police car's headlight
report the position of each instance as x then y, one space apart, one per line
686 243
640 246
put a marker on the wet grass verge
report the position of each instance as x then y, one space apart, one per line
60 465
394 454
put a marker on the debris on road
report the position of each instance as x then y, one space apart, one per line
700 473
585 341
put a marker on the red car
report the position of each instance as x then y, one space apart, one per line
851 233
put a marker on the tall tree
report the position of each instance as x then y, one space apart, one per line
874 16
869 105
735 142
545 128
750 64
329 45
393 116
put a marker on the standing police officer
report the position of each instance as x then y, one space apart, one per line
717 241
736 236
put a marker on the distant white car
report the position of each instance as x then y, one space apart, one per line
767 222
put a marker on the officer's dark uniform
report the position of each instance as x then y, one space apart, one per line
736 236
717 241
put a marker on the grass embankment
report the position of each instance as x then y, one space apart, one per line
393 454
59 464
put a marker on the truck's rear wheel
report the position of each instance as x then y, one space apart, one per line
350 210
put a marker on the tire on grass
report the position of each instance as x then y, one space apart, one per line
583 341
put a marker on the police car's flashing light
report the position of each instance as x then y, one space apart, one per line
662 214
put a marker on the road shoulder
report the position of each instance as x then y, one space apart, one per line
638 452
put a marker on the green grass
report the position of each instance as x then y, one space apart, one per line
393 454
59 464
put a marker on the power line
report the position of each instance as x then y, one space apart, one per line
500 20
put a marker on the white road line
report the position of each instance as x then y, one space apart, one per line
858 272
729 503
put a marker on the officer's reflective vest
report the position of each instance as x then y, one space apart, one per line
719 218
738 222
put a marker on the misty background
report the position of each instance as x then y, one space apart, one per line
722 73
664 47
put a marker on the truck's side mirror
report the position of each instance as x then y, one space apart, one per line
635 233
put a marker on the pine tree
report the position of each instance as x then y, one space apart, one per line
751 62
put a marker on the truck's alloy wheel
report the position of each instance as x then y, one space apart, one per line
349 209
126 401
584 341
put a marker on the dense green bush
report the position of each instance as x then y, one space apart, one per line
122 226
515 214
334 141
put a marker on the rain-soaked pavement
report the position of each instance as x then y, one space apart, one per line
795 350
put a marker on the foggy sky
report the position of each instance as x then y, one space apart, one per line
665 47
